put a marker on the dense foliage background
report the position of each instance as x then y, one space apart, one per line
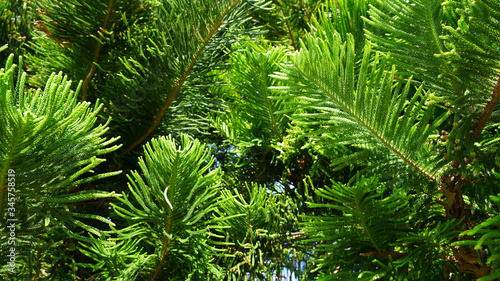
249 140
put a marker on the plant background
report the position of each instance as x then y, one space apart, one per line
251 140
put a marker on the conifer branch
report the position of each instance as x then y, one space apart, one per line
488 110
93 68
183 79
370 128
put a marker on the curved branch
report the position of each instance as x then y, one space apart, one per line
372 130
86 82
183 78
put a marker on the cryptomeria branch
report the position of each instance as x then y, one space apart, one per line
183 78
488 110
93 68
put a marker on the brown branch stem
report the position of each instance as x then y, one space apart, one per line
488 110
183 78
165 245
93 68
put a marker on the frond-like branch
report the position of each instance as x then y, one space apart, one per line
358 222
411 33
179 227
49 144
365 108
